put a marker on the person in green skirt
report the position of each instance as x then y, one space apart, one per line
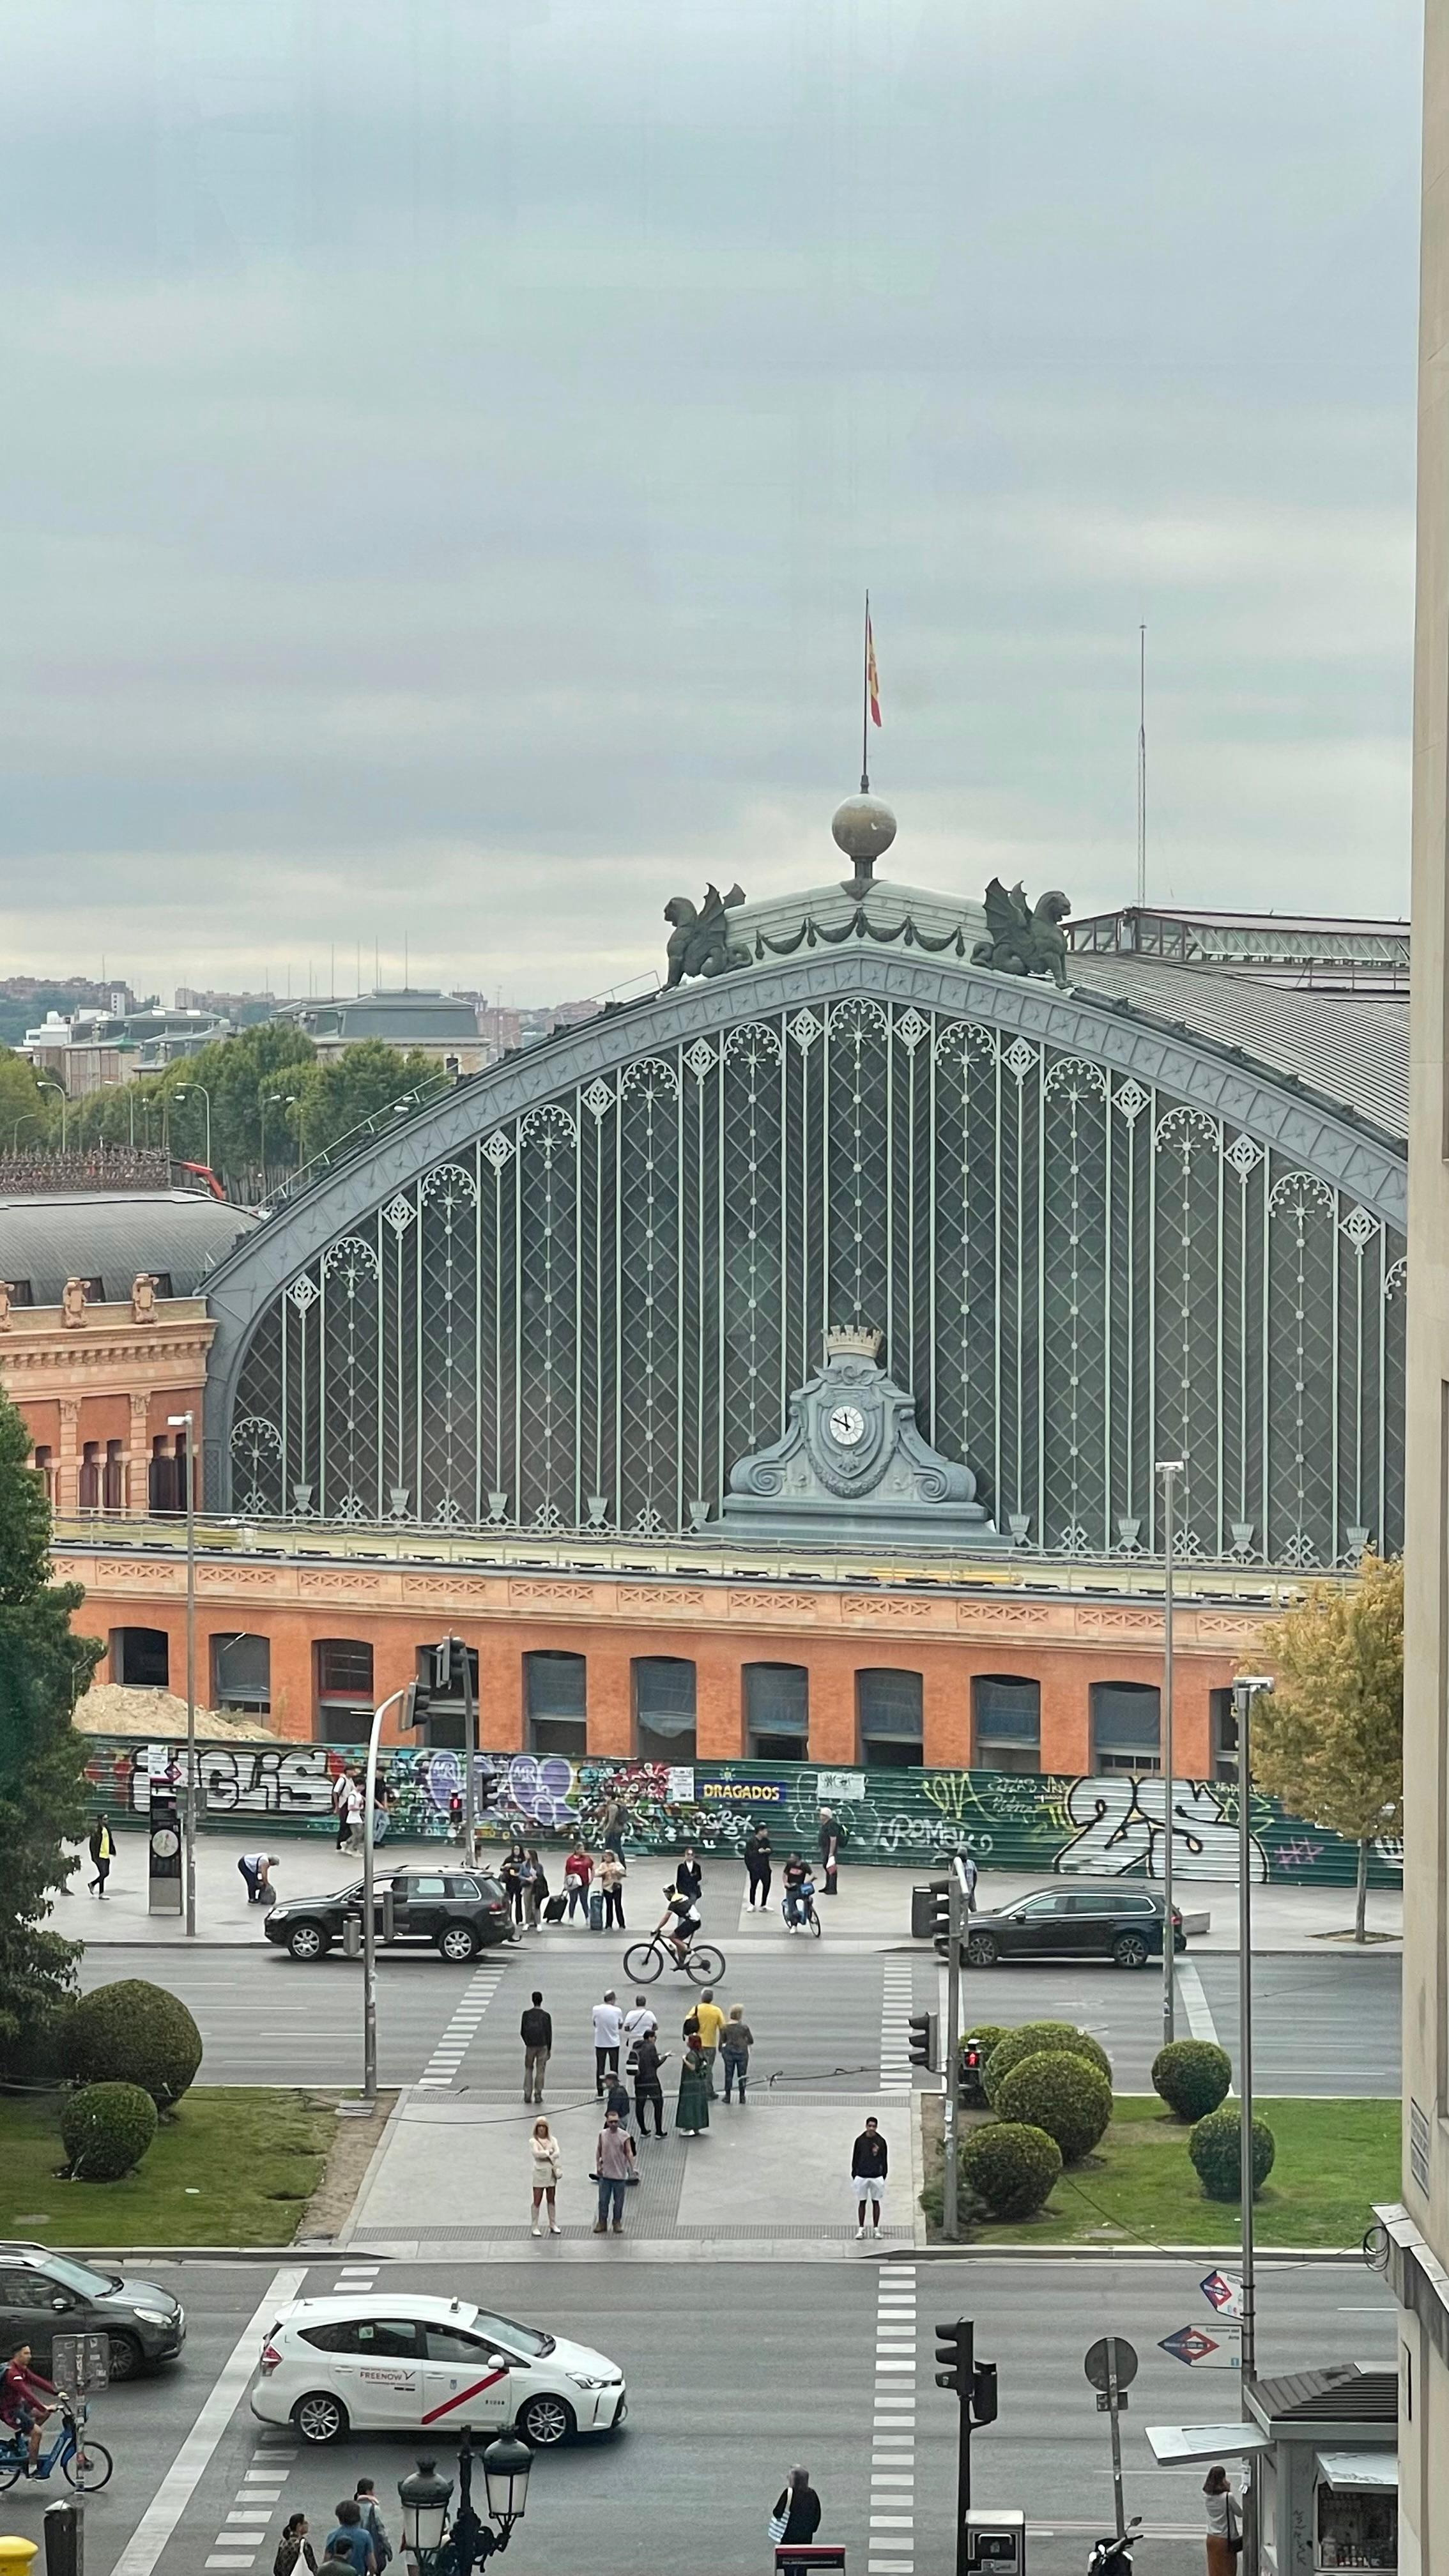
692 2112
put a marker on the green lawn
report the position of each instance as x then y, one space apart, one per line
1334 2160
233 2167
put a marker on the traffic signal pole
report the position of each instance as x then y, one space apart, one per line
469 1749
963 2444
974 2383
951 2037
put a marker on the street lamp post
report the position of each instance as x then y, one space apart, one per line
183 1091
369 1928
23 1121
272 1100
43 1082
425 2497
187 1422
1169 1469
1245 1690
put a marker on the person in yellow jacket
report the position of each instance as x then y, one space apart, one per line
101 1846
711 2022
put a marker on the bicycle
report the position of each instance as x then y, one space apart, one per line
808 1921
645 1960
84 2465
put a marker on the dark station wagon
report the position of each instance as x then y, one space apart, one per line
460 1911
1120 1923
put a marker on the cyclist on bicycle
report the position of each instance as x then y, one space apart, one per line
678 1924
798 1903
22 2401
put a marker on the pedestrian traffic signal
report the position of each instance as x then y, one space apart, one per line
941 1928
983 2392
953 2351
922 2030
414 1707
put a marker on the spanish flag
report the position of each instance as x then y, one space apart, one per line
872 677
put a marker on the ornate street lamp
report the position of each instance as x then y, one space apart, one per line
425 2498
506 2467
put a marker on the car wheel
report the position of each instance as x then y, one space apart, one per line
125 2357
320 2418
1130 1950
982 1950
458 1942
546 2421
308 1941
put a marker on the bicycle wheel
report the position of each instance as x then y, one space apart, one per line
706 1966
643 1960
88 2468
9 2472
815 1923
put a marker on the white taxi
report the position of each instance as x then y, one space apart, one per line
400 2363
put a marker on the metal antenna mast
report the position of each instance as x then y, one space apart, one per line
1141 767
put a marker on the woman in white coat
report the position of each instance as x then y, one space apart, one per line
547 2161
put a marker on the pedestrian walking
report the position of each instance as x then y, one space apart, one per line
100 1843
546 2160
353 2540
535 2029
830 1840
709 2021
967 1872
382 1806
613 2164
688 1876
1224 2522
612 1820
648 2090
758 1856
691 2111
534 1885
294 2547
578 1869
365 2495
797 2510
256 1868
608 2031
616 2099
869 2162
641 2023
612 1874
340 1785
736 2041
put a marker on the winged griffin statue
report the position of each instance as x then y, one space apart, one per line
1023 939
699 940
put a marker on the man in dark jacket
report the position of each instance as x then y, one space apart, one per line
536 2032
647 2087
869 2159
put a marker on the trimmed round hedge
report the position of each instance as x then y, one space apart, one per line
107 2129
1029 2041
135 2033
1192 2076
1010 2167
1215 2147
1067 2096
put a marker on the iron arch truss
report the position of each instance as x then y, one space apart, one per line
579 1290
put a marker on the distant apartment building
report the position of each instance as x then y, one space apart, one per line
94 1047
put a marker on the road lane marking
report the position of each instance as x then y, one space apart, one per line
456 2040
893 2458
180 2483
1195 2003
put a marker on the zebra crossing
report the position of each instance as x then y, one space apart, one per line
898 1976
442 2067
893 2431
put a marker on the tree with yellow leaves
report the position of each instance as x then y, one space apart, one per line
1328 1739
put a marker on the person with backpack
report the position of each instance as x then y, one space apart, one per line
535 2029
365 2497
735 2042
348 2541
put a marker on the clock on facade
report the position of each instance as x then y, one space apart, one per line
846 1424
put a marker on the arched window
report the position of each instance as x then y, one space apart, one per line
1126 1727
556 1702
1005 1723
344 1690
664 1699
888 1720
777 1712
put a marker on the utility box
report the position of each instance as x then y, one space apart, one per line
996 2543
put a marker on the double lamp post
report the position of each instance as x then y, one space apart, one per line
441 2549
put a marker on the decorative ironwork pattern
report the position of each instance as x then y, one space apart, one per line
587 1315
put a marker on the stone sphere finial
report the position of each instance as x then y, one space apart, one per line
864 829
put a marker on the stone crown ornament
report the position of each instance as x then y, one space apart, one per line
853 1468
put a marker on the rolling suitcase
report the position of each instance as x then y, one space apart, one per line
553 1912
596 1909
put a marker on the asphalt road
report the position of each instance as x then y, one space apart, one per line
1321 2025
733 2374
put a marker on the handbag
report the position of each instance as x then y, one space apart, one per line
775 2528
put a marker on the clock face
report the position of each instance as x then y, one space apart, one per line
846 1424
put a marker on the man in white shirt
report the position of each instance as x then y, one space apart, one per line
608 2030
638 2024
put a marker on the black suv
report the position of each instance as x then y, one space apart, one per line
1070 1921
460 1911
44 2294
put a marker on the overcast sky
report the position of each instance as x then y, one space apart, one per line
446 442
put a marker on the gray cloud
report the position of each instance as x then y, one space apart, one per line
445 449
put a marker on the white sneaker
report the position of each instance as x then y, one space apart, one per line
860 2231
875 2231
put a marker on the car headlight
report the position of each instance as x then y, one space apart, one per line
580 2381
156 2316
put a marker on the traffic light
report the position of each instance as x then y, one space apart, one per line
414 1707
922 2030
941 1927
983 2392
953 2349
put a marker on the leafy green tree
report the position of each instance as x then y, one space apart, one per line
1328 1739
24 1116
244 1075
44 1666
337 1095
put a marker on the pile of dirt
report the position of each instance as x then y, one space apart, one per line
126 1708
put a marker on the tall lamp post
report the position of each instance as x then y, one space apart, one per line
44 1082
369 1928
1169 1469
187 1422
184 1091
1245 1690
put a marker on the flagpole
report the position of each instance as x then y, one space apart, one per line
865 703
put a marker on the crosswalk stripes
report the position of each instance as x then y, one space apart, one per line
254 2508
893 2433
898 1976
458 2038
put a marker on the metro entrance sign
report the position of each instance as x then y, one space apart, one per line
1189 2344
